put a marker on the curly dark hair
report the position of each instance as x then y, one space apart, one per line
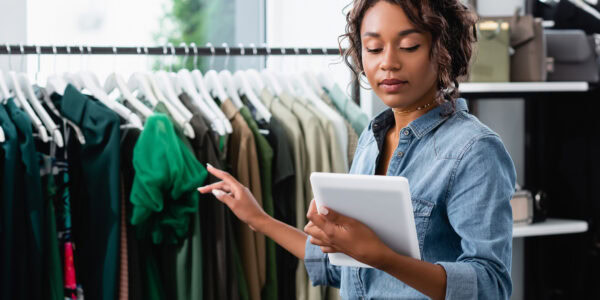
453 31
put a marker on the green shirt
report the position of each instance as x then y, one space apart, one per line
10 148
352 112
33 204
167 174
265 155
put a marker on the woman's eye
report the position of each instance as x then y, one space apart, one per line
376 50
411 49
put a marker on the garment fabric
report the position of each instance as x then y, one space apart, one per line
53 275
336 133
350 110
317 150
219 270
11 164
95 205
352 136
130 283
243 158
287 263
461 181
55 181
28 268
265 160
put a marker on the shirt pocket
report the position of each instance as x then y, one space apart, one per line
422 210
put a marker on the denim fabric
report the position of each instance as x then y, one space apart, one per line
461 181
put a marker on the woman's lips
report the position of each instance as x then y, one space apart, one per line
393 85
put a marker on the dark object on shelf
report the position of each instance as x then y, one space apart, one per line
540 212
577 15
574 56
567 14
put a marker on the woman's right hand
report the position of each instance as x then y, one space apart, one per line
236 196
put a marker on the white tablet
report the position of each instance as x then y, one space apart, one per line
381 202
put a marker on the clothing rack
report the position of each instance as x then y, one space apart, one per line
189 50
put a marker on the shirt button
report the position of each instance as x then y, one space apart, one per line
406 132
400 154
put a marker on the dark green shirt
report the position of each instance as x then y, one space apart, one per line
10 149
265 157
31 185
94 170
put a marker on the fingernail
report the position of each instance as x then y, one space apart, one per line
200 189
209 165
324 210
218 193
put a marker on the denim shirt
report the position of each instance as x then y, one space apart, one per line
461 181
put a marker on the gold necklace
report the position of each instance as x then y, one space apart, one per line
422 107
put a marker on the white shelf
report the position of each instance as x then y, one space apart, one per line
550 227
523 87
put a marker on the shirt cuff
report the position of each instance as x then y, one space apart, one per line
461 280
316 263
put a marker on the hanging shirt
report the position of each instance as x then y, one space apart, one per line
243 158
11 160
286 181
265 156
352 136
461 181
33 205
94 175
217 272
166 176
350 110
317 149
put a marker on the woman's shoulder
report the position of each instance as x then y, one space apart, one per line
462 132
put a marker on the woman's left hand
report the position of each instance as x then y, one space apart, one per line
334 232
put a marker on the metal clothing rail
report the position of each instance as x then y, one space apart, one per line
190 50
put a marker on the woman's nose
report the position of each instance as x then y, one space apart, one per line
390 60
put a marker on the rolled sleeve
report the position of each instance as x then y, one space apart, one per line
461 280
479 212
320 271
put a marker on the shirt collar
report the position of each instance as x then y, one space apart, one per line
421 126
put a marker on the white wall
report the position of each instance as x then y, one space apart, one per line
13 28
95 23
307 23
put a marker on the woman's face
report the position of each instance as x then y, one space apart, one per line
395 57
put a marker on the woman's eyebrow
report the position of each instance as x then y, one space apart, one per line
401 33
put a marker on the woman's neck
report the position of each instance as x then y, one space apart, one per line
403 116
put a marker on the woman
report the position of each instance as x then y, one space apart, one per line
412 53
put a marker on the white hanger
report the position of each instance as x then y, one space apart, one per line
177 116
271 81
245 89
186 83
230 87
3 95
198 81
255 80
138 82
41 112
116 81
13 84
50 105
70 77
55 83
312 81
89 82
